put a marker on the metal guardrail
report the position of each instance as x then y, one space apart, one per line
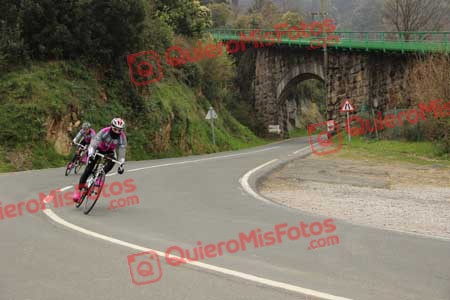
426 41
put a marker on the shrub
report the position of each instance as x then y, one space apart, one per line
430 79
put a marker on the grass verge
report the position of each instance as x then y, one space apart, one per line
385 151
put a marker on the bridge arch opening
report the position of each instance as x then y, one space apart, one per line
302 100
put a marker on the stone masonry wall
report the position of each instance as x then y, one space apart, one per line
361 76
276 69
366 78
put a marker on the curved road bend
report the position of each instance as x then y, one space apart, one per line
199 198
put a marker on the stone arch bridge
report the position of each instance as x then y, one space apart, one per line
373 71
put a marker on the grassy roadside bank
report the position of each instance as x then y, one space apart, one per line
43 105
385 151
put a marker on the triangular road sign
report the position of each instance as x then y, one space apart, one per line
347 106
211 114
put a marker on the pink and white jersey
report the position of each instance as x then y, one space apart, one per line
105 142
87 136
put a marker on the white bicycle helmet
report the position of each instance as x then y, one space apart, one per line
118 123
86 125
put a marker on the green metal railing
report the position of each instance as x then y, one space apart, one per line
366 41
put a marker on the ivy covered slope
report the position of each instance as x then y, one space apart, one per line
43 104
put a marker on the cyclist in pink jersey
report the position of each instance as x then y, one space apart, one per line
107 141
85 135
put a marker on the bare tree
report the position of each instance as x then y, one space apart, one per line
415 15
284 5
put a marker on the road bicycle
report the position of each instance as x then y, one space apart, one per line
79 162
94 183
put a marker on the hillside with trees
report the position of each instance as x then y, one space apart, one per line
63 62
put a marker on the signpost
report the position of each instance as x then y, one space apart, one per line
348 107
274 129
330 125
211 115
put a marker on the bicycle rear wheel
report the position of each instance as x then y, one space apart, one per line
94 192
68 169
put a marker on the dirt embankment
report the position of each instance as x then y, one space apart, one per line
400 196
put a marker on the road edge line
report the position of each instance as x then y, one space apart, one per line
259 280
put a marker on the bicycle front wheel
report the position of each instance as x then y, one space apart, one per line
84 190
78 167
94 192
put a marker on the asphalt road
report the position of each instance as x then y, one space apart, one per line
60 253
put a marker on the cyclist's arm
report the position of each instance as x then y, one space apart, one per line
92 134
94 143
122 149
77 137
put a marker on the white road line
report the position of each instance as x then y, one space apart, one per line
65 188
244 179
242 275
244 182
191 161
300 150
202 159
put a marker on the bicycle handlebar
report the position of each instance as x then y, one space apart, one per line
106 157
81 146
